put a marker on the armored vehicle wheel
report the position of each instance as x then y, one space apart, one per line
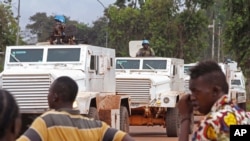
124 119
172 122
93 113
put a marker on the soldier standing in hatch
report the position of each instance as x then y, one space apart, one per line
58 31
146 51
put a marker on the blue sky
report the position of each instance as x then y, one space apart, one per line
85 11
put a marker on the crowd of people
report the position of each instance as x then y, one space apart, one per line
208 88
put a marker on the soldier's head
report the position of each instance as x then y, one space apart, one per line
145 43
10 118
62 93
59 18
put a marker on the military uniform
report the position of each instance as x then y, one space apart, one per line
145 52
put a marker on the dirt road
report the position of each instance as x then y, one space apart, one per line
143 133
156 133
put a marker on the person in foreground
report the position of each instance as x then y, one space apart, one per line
209 90
66 124
10 118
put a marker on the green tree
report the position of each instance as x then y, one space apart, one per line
171 31
98 32
41 26
8 27
236 34
191 39
125 24
160 26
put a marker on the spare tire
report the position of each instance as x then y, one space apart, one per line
124 119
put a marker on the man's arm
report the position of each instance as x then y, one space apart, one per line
184 128
186 113
112 134
152 52
127 137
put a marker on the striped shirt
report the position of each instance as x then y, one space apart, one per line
69 125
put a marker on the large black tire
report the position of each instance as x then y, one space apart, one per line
124 119
172 122
93 113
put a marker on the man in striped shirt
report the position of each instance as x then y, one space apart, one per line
66 124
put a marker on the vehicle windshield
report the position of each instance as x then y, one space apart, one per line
154 64
127 64
187 69
235 82
63 54
26 55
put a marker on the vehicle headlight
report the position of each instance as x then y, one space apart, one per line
75 105
166 100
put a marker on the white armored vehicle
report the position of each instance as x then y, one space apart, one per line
29 71
154 85
236 82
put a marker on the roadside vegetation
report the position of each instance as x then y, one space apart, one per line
248 105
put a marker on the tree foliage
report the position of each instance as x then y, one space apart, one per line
172 32
41 26
125 24
8 27
237 31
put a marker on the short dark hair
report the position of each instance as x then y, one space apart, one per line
211 72
66 88
9 111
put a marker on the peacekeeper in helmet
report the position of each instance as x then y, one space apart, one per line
58 31
146 51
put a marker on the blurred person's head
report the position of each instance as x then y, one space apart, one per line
62 93
207 84
10 118
145 44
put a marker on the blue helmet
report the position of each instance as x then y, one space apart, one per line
60 18
145 42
